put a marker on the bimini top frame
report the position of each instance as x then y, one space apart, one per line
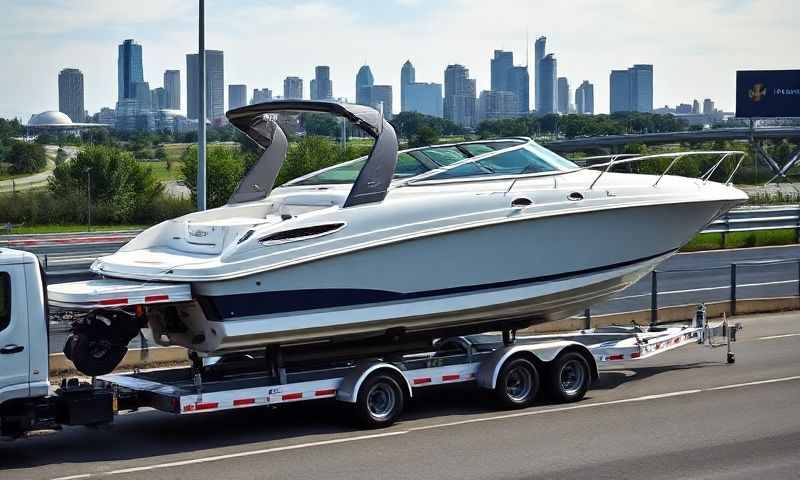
255 121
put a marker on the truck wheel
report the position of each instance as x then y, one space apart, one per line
568 378
92 355
380 401
518 384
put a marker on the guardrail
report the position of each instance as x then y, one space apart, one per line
752 219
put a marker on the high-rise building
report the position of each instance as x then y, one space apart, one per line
459 96
129 68
708 107
584 98
497 104
683 108
519 84
407 78
548 72
321 86
293 88
382 96
172 85
563 95
632 89
500 65
641 77
215 85
695 106
70 94
237 96
364 83
158 98
261 95
425 98
142 95
538 55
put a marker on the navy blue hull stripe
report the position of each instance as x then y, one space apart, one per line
283 301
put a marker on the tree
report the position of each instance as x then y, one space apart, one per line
310 154
426 135
61 156
225 167
322 124
26 157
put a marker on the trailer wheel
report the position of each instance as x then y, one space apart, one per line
568 378
91 355
380 401
518 384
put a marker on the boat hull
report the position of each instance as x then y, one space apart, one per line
511 273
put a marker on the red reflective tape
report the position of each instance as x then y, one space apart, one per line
636 354
292 396
155 298
325 392
114 301
243 401
206 406
616 357
420 381
450 378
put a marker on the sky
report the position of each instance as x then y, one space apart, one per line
696 46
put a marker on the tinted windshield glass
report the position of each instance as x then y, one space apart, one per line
407 166
444 155
515 162
476 149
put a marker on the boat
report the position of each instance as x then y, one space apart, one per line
392 248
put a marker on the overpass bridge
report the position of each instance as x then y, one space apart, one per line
610 142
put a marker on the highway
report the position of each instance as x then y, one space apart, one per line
684 414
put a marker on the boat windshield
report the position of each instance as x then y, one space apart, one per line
530 158
346 173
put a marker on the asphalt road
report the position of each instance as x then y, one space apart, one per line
684 414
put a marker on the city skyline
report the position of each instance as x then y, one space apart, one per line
167 33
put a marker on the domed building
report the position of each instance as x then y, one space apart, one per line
52 121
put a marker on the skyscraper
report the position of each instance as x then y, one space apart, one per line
538 55
237 96
407 78
563 95
695 106
584 98
364 83
158 98
172 85
500 65
382 94
321 85
497 104
425 98
129 68
261 96
548 72
519 83
293 88
215 85
632 89
143 96
708 107
70 94
459 96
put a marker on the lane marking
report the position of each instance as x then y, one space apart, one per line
779 336
422 428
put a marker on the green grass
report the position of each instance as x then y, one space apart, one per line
25 229
714 241
161 171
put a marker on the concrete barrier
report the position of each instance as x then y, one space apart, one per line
163 356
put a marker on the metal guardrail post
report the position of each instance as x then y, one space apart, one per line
587 315
724 235
654 297
733 289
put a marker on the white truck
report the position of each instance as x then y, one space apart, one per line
376 385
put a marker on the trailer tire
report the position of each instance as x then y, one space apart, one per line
517 384
380 401
568 378
91 355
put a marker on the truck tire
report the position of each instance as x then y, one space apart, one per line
91 355
568 378
518 383
380 402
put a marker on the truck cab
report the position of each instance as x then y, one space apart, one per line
23 328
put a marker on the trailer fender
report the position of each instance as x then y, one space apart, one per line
489 369
348 389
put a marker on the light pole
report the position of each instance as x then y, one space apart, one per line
201 124
89 196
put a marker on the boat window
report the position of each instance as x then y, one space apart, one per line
5 300
515 162
444 155
408 166
341 174
476 149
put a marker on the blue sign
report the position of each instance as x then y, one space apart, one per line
767 93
